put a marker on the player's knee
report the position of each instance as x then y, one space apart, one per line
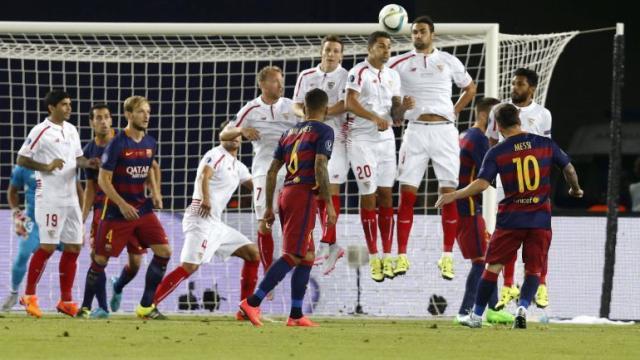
262 227
100 260
292 259
253 254
408 188
48 247
162 251
134 263
190 268
310 257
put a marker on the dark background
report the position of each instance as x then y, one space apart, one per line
580 91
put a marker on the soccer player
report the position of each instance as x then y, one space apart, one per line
523 161
471 234
304 150
427 74
373 96
127 215
101 123
536 119
331 77
262 121
53 150
218 177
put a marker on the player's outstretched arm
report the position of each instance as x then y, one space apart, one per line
298 110
248 185
104 180
476 187
336 109
80 191
231 132
272 176
322 179
29 163
571 177
465 98
353 105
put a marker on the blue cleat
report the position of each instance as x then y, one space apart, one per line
99 313
116 297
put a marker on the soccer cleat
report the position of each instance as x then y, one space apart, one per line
99 313
472 320
251 312
322 253
30 303
149 313
445 264
83 313
67 307
520 321
507 294
303 321
376 269
458 318
387 267
335 253
240 316
402 265
116 298
542 296
499 317
10 301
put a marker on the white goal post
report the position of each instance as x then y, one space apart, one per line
198 75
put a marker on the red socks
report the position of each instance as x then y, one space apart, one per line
67 269
169 283
405 219
36 268
449 225
385 222
328 233
265 245
370 228
508 271
248 278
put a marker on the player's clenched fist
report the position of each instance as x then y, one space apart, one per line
250 133
381 123
55 164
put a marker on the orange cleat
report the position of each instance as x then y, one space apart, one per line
303 321
30 303
240 316
67 307
251 312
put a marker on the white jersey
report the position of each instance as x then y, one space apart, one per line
45 143
333 84
376 88
428 78
271 121
228 173
534 118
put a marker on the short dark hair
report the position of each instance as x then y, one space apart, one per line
98 106
332 38
531 75
507 116
316 100
485 104
424 19
374 36
54 97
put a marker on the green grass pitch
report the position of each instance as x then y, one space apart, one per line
198 337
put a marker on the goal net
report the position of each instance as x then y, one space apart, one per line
199 75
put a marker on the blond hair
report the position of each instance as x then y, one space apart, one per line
268 70
132 102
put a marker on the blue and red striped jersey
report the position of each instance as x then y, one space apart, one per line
524 164
474 144
90 151
298 148
130 162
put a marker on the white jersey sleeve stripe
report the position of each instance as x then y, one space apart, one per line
245 115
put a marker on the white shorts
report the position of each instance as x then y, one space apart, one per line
58 224
373 163
440 143
338 163
205 237
259 196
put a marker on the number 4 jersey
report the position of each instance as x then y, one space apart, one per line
524 163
